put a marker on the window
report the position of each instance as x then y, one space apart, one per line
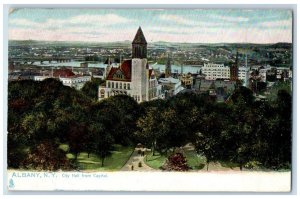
120 85
128 86
116 84
112 85
125 86
108 84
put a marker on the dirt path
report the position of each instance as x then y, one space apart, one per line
134 160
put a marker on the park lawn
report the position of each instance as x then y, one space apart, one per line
194 161
115 162
154 161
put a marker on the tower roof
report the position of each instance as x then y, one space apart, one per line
139 37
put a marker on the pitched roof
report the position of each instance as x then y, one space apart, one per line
64 72
139 37
125 68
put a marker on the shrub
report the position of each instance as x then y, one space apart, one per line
46 156
176 162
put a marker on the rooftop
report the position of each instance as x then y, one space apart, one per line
139 37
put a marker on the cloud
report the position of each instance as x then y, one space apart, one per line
107 19
286 24
230 19
166 27
177 19
23 22
215 35
80 20
70 34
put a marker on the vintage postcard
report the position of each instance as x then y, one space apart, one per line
149 99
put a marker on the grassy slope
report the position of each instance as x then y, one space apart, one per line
113 163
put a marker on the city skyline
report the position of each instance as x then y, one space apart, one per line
169 25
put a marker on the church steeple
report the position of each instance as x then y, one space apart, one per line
234 70
168 71
139 45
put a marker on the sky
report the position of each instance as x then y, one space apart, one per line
169 25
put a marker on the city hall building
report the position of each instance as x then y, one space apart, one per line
133 77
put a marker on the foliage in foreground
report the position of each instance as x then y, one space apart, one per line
176 162
244 131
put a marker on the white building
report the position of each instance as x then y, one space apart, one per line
40 78
263 74
244 74
220 71
76 81
133 77
67 77
216 71
171 85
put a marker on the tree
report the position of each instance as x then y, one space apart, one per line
279 137
174 130
41 111
207 139
90 89
242 96
46 156
150 128
103 141
122 112
77 138
237 136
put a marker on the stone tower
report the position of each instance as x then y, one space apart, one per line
139 67
139 45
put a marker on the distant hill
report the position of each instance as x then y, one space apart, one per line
65 43
127 43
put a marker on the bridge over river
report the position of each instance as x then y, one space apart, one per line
41 60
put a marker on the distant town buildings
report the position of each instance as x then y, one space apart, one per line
215 71
244 75
67 77
170 86
187 80
218 88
